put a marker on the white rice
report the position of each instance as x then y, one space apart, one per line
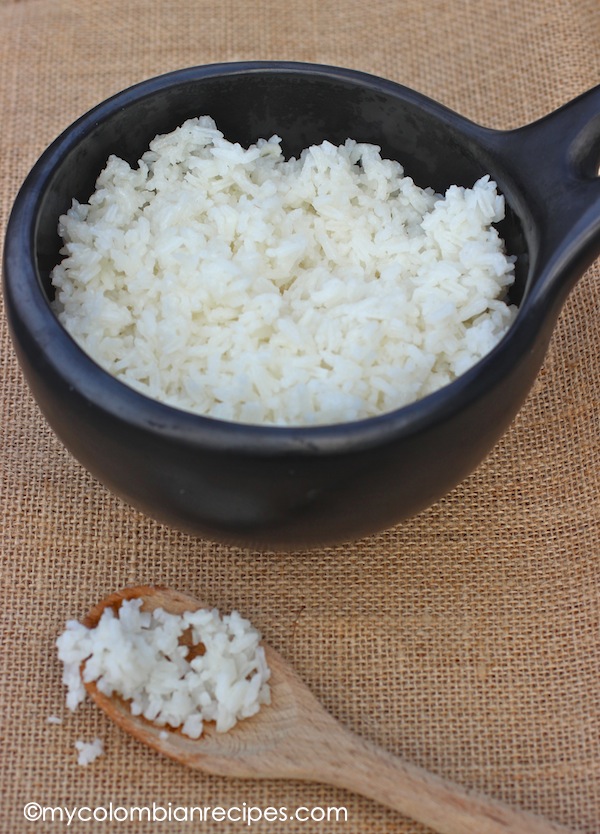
138 656
88 751
237 284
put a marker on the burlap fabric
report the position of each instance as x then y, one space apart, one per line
467 639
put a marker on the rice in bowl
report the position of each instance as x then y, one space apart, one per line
244 286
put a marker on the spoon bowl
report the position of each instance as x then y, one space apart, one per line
296 738
238 754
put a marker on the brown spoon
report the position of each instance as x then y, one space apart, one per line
295 738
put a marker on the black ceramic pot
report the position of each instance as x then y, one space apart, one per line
292 488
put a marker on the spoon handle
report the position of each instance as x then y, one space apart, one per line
355 764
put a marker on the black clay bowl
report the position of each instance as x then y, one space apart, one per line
291 488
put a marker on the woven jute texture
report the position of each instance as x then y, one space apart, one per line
466 639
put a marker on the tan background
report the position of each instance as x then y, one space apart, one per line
468 639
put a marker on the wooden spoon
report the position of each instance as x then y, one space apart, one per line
295 738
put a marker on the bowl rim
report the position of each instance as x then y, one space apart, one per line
29 307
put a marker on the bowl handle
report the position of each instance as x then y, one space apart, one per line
556 159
